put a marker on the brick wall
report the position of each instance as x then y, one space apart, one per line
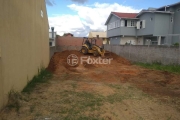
73 41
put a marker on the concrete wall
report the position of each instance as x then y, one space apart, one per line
136 53
145 54
24 43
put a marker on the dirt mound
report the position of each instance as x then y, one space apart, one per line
60 60
118 59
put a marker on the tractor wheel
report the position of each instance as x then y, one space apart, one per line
84 50
95 53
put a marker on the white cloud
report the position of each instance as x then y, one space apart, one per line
88 18
79 1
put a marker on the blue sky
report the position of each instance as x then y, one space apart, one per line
80 18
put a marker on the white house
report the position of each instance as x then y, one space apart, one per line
52 38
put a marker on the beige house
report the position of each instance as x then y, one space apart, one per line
102 35
24 43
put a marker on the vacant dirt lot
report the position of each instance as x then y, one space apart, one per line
119 91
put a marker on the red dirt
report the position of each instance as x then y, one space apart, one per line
120 70
60 58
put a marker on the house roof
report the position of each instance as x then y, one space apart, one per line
66 34
122 15
153 11
94 34
136 15
125 15
169 5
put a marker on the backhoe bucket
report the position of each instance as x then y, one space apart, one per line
107 54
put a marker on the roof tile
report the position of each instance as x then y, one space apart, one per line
125 15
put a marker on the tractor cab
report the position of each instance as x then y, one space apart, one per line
89 42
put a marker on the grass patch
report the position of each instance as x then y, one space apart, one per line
121 94
42 77
79 105
32 109
118 97
14 100
159 66
65 76
124 93
84 98
114 86
74 85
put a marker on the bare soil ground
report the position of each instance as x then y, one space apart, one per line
119 91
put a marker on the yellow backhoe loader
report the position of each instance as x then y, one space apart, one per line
89 46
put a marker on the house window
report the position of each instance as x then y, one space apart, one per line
122 23
141 23
50 43
117 24
109 26
125 23
171 19
132 23
113 25
151 19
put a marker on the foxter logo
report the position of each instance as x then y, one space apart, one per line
98 60
72 60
